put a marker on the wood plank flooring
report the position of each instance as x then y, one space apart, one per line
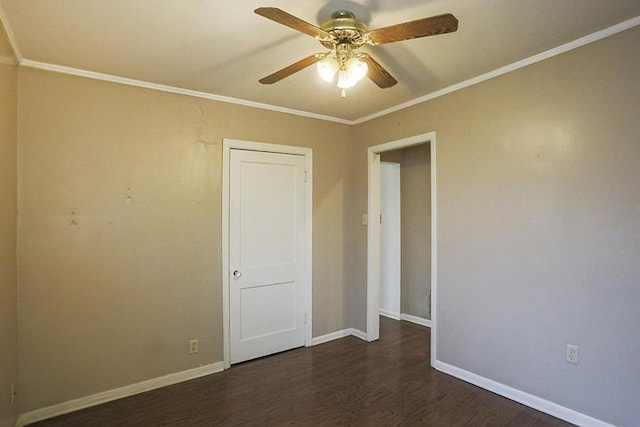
343 382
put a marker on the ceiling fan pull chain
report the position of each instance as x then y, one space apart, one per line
344 93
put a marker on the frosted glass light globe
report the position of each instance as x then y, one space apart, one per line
344 80
327 68
357 69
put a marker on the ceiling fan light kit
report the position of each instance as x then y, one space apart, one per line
342 35
349 67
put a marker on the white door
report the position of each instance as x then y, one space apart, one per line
266 253
390 249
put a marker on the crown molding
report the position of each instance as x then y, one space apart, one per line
28 63
13 45
598 35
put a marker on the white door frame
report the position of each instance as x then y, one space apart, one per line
373 233
227 146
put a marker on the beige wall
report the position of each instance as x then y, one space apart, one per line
8 282
415 211
538 225
538 175
120 219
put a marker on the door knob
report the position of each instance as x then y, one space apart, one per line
237 274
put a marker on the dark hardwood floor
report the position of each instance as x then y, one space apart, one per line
343 382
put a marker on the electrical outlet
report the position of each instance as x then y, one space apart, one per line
572 353
12 394
193 346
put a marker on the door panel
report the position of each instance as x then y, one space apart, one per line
279 318
267 250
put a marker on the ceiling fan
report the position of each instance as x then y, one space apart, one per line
343 34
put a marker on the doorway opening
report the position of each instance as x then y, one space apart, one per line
375 229
405 234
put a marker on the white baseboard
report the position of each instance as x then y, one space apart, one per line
117 393
330 337
415 319
389 314
339 334
527 399
359 334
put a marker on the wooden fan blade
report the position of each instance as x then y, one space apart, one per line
282 17
377 73
440 24
291 69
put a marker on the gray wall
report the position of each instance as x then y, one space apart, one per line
539 225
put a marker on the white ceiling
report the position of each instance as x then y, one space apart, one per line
223 48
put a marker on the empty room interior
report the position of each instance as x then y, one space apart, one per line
192 193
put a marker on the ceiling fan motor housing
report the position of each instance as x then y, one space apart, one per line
345 28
